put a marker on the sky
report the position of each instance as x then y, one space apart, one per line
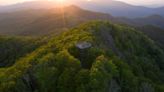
145 2
134 2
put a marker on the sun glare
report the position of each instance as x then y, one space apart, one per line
89 0
61 1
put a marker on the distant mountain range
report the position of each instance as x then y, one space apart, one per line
156 20
28 5
44 21
30 21
115 8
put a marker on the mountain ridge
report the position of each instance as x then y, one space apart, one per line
58 65
40 22
32 20
116 8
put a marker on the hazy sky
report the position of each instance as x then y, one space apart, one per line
135 2
145 2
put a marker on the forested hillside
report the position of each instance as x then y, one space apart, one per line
40 22
154 20
12 48
117 59
156 33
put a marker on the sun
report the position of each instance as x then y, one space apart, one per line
61 1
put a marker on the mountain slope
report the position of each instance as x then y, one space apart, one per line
155 33
41 22
12 48
60 66
155 20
